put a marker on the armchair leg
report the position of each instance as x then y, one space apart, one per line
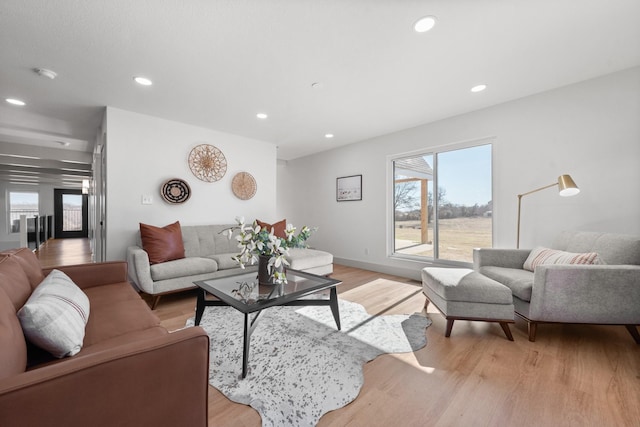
634 333
533 327
155 301
449 327
507 331
426 303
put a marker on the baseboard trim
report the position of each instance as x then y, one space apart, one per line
406 272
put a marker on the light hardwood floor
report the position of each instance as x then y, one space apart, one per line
64 252
573 375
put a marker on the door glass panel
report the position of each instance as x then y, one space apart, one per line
413 206
464 202
71 212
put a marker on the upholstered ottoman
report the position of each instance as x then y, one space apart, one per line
311 260
464 294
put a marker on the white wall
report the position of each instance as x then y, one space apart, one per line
589 130
143 152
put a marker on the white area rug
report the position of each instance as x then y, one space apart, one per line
300 366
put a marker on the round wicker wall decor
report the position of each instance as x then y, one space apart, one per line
207 163
175 190
244 185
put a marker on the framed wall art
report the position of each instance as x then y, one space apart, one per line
349 188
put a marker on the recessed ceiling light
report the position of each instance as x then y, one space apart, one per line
328 135
478 88
424 24
14 101
143 81
261 116
64 143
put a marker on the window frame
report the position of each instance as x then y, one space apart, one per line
433 151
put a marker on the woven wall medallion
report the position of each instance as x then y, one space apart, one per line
175 190
244 185
207 163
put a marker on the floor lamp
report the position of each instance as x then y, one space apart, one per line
566 186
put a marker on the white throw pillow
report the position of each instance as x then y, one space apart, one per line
55 315
546 256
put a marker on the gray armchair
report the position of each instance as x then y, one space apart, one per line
594 294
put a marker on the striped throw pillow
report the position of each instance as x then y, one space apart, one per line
55 315
546 256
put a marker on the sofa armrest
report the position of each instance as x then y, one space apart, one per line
508 258
94 274
601 294
140 268
161 381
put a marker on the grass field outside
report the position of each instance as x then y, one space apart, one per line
457 238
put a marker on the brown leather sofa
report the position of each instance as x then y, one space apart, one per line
130 372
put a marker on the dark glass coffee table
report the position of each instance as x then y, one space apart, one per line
242 292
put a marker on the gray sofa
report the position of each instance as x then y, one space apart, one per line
208 253
595 294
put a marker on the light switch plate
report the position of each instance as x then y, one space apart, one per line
147 199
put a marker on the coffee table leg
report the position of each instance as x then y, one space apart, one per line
199 307
247 339
333 302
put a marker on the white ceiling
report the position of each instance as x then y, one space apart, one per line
217 63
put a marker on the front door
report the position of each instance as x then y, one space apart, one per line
70 210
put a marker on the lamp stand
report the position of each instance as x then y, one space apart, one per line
520 196
566 186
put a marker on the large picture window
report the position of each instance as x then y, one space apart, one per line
21 203
442 204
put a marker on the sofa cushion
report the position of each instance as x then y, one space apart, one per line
305 259
183 267
464 285
29 263
124 339
278 227
110 294
55 315
162 243
206 240
225 261
613 249
113 320
519 281
546 256
14 281
13 347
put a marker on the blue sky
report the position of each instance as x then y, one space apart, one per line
27 198
22 198
466 175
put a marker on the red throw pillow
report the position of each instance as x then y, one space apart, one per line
162 244
278 227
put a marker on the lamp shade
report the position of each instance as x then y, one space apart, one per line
567 186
